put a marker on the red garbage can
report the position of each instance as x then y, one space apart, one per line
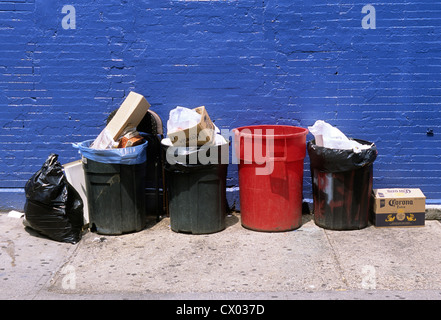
270 176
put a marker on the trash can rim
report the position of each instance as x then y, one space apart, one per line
166 143
340 160
130 155
87 143
299 130
364 142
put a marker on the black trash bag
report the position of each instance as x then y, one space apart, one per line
340 160
53 207
341 185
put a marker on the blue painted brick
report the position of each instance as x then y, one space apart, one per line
249 62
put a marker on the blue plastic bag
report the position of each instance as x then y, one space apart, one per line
130 155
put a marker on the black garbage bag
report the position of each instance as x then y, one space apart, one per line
340 160
53 207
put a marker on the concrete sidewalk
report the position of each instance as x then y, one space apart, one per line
236 263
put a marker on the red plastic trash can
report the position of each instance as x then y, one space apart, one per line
270 178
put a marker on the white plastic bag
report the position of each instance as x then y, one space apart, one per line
103 141
181 118
330 137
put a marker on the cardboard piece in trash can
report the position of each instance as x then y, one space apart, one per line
75 176
129 114
202 133
398 207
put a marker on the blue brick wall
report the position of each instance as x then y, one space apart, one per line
249 62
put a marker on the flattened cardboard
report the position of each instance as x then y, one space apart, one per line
75 175
129 114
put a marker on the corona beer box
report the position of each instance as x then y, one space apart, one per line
398 207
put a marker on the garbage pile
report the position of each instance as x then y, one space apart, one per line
114 169
108 186
54 207
120 142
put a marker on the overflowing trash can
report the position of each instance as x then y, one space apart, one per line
270 176
341 185
115 183
196 187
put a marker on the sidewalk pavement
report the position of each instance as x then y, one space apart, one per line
236 263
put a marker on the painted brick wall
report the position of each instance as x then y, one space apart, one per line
249 62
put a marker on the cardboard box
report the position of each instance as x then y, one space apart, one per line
75 176
202 133
398 207
129 114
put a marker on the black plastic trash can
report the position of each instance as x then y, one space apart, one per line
115 191
341 185
196 193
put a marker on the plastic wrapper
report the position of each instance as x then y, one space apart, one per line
181 118
129 156
190 127
331 137
53 207
103 141
341 160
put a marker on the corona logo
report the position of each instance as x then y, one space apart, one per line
395 202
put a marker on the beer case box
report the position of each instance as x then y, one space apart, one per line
202 133
398 207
